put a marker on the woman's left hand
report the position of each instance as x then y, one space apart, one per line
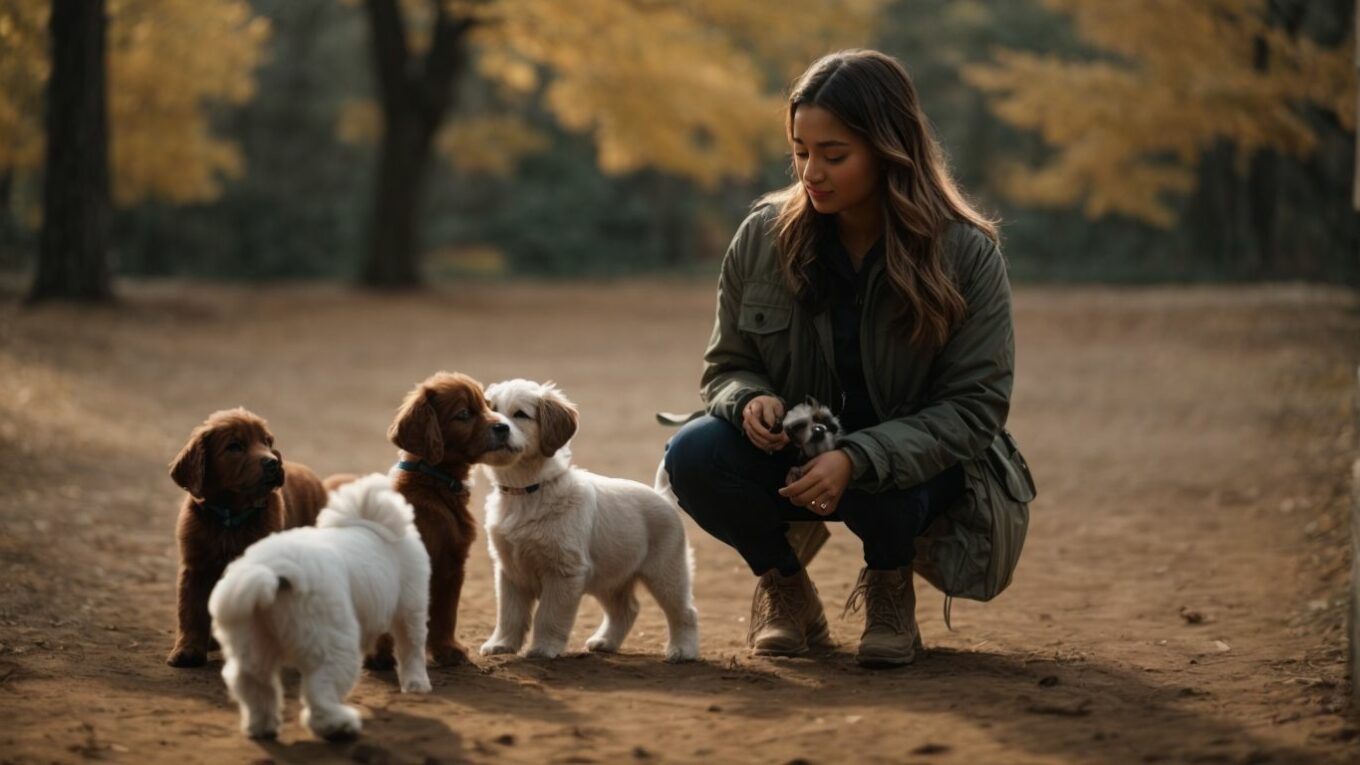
824 480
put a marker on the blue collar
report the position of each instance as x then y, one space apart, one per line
429 470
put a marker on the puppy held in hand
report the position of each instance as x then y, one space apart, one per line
239 492
812 430
316 599
557 532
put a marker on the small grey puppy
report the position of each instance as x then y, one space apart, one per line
812 430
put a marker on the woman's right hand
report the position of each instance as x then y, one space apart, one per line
759 415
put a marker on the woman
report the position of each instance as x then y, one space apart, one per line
872 283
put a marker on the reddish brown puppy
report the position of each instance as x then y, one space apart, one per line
239 492
443 427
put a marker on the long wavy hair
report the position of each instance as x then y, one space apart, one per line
872 94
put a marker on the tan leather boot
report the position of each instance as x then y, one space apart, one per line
891 637
786 616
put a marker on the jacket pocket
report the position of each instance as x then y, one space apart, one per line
765 320
760 318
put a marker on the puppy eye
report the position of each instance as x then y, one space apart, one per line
520 415
463 414
236 446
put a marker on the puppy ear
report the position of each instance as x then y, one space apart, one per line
556 423
416 428
190 468
812 402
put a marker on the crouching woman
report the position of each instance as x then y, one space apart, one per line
870 283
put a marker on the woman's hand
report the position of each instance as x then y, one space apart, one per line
759 415
823 483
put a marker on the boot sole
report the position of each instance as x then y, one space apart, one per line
820 638
872 661
884 662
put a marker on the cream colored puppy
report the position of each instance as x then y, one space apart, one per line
317 599
557 532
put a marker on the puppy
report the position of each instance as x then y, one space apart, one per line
315 599
557 532
812 429
239 492
442 428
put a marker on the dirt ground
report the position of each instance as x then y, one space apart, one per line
1179 599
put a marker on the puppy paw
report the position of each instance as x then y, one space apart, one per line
601 645
544 651
337 724
676 654
262 731
495 647
419 684
449 655
186 657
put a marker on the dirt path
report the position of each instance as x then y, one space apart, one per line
1178 600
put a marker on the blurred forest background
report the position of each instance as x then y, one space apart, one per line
393 142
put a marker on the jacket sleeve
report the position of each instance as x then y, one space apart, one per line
733 371
969 392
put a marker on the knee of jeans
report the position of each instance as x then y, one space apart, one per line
691 454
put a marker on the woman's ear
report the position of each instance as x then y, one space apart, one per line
416 427
190 468
556 422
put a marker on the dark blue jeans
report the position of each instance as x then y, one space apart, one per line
731 489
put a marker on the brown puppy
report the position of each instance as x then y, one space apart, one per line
443 427
239 492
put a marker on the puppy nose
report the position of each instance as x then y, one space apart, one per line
271 463
818 432
500 429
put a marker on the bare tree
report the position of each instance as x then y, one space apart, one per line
73 245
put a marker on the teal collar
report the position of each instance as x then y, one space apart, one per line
411 466
229 518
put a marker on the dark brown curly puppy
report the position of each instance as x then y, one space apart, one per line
239 492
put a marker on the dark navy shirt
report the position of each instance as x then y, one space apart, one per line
846 289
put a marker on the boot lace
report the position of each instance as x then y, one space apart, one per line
882 600
777 600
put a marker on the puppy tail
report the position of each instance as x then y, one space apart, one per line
369 501
245 588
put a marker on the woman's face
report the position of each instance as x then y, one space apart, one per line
836 165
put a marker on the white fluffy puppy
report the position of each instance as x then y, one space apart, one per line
557 532
317 599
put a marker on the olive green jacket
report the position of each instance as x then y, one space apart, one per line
935 409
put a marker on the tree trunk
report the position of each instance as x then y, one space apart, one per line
416 96
73 245
393 257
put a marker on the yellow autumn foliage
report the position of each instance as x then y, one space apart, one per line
490 143
1129 129
167 60
688 88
